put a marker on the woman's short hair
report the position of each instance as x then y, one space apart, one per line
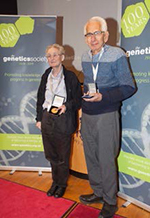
59 47
101 20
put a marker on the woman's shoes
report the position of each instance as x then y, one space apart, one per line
59 192
56 191
52 190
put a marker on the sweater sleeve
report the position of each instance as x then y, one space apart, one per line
117 94
126 86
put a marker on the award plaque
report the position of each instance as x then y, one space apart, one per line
56 103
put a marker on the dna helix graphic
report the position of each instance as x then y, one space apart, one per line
138 143
18 124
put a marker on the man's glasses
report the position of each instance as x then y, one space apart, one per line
96 33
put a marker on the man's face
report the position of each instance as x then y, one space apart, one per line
95 41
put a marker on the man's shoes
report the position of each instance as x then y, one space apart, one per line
59 192
108 211
91 198
52 190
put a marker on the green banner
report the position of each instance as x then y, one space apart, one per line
134 159
23 40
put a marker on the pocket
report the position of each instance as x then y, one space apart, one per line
65 123
61 123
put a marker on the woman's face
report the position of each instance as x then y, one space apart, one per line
54 57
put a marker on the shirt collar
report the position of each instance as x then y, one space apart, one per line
95 58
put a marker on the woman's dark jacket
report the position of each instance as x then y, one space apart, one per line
67 122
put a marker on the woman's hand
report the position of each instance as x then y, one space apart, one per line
38 125
62 109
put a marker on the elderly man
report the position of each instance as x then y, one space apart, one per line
107 82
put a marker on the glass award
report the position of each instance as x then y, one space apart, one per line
92 88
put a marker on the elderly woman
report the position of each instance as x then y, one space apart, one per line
58 100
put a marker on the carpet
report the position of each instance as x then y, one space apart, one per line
19 201
84 211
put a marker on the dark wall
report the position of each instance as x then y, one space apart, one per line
8 7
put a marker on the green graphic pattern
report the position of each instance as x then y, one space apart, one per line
10 33
25 25
136 166
21 142
147 2
135 18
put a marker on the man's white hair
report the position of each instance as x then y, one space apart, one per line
97 19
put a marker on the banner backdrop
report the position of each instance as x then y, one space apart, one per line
134 159
23 40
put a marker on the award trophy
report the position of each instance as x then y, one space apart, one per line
92 89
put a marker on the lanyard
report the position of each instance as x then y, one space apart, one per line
51 83
95 69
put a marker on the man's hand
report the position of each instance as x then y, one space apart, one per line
95 97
